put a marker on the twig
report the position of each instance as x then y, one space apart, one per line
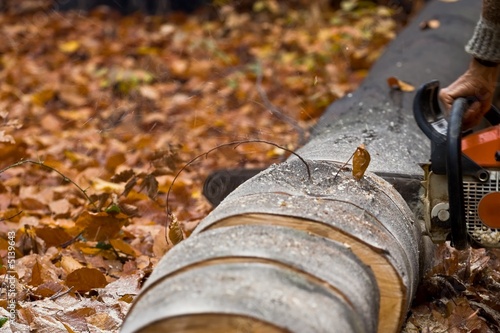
11 217
65 178
59 294
343 166
236 144
275 111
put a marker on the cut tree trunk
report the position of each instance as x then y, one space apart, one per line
293 252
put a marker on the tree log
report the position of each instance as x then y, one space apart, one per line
286 252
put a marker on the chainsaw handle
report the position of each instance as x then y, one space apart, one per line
459 238
428 114
432 120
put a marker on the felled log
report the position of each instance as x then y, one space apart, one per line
309 248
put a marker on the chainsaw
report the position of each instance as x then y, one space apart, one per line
461 199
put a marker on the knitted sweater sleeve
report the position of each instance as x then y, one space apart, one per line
485 43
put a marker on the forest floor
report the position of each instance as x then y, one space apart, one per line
99 112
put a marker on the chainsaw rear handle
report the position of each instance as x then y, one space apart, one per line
428 115
432 120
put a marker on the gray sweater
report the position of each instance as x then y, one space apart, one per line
485 43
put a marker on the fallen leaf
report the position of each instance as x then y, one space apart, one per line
430 24
124 247
103 321
60 207
69 47
360 162
69 264
36 275
6 138
100 226
397 84
48 289
160 244
85 279
42 96
53 236
175 232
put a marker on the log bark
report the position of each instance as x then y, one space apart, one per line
289 252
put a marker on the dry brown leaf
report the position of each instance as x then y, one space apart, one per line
160 243
69 264
396 84
85 279
53 236
430 24
115 160
42 96
6 138
76 319
36 275
124 247
60 207
48 289
175 234
123 176
100 226
360 162
103 321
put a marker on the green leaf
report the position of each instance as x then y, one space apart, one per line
103 246
113 209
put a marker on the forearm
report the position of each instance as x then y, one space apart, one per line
485 43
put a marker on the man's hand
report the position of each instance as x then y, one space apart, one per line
478 81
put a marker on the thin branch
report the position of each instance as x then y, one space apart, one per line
343 166
60 293
11 217
275 111
236 144
65 178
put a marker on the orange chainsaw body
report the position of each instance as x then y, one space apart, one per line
482 147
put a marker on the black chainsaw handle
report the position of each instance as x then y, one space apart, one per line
431 119
459 238
428 114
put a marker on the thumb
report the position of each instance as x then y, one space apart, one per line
446 99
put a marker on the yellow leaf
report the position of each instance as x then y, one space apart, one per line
42 96
124 247
147 50
103 186
69 47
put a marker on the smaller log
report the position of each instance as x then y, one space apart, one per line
275 279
